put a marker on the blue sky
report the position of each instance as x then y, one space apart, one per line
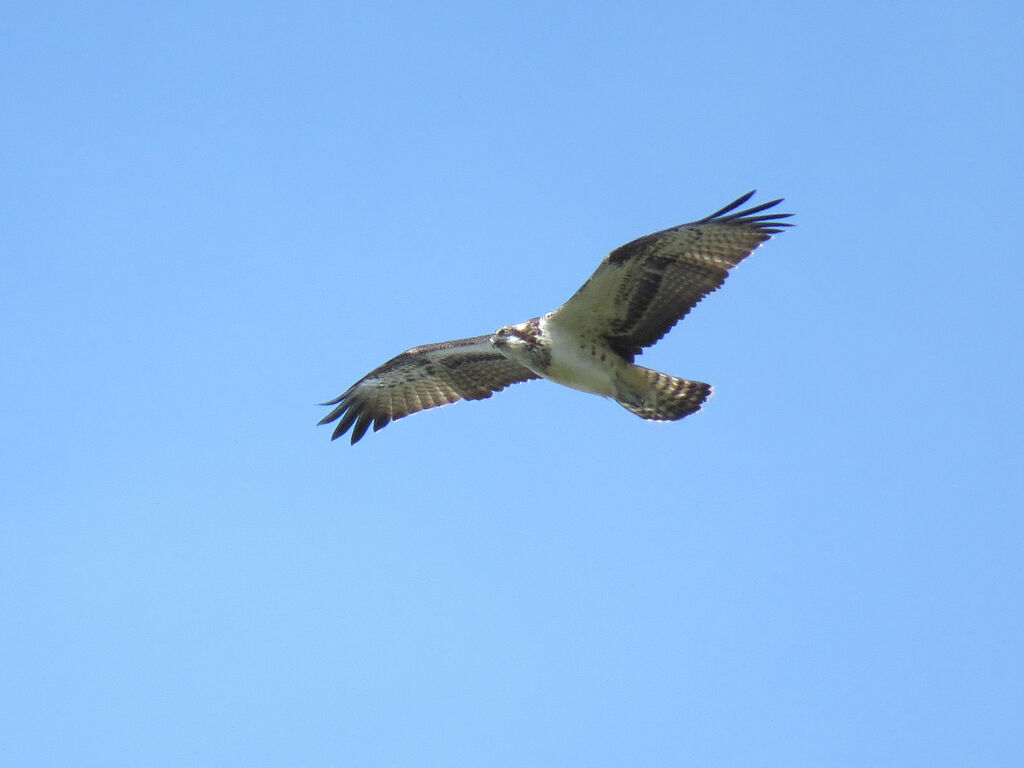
216 215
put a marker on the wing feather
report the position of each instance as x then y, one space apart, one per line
645 287
420 378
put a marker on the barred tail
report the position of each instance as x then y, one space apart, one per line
659 397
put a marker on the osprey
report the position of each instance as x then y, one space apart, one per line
637 294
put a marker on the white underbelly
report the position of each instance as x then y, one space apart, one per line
584 365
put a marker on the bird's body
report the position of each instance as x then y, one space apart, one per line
559 354
637 294
581 361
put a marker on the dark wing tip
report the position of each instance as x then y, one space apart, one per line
362 424
768 223
348 411
336 412
731 206
346 422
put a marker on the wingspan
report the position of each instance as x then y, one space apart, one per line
645 287
423 377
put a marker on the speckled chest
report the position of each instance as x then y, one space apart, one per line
583 363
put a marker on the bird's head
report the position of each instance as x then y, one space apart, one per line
514 338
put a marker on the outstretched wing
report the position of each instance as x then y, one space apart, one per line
643 288
421 378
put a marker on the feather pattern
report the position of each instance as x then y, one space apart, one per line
423 377
645 287
635 296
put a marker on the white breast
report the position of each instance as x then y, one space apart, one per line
585 364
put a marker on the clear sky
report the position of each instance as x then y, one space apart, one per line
216 215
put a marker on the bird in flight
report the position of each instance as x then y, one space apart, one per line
637 294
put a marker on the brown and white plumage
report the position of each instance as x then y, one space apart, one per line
424 377
646 286
635 296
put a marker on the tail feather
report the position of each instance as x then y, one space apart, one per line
659 397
